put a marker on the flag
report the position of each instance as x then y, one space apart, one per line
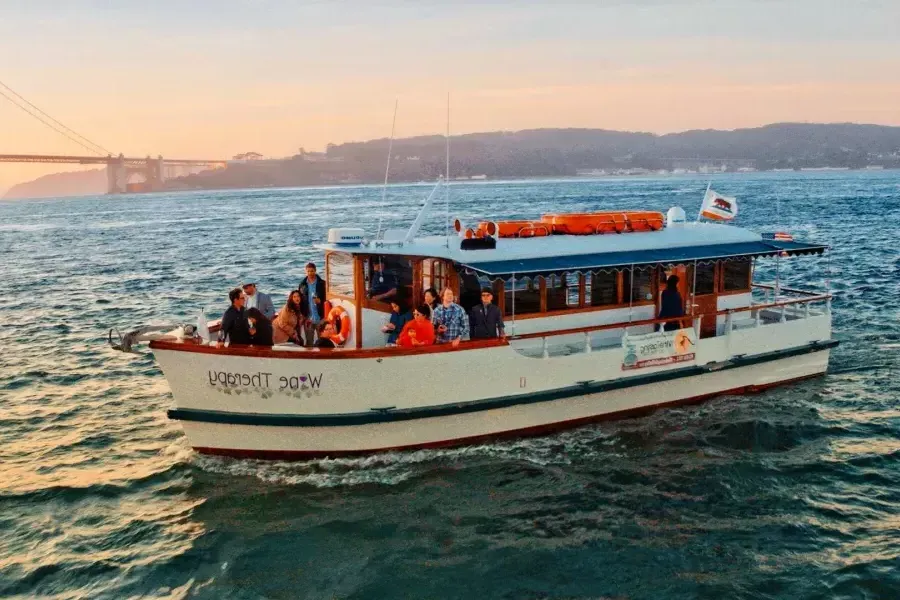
202 329
718 207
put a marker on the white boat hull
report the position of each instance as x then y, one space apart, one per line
303 407
274 442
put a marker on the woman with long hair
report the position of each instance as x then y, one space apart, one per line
260 328
287 323
431 298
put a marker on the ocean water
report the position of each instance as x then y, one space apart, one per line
792 493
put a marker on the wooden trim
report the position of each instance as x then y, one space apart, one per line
542 290
721 282
321 353
499 295
418 282
359 288
582 287
452 278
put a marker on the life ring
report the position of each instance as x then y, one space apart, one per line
341 319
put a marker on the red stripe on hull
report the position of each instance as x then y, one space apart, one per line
537 430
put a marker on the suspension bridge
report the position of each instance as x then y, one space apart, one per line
120 169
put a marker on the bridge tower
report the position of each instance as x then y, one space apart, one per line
116 175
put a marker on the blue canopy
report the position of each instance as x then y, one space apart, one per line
607 260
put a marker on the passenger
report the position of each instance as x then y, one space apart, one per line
312 288
234 328
451 320
419 331
671 304
384 284
399 318
431 299
260 328
325 331
485 320
289 321
256 299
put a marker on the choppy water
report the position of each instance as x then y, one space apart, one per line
794 493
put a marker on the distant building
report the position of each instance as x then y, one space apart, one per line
247 156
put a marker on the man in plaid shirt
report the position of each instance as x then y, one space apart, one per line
451 320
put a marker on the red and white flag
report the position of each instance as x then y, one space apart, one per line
718 207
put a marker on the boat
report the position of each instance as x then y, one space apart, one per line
582 342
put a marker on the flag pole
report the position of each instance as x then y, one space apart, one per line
705 194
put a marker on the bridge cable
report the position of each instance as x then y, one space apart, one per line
92 146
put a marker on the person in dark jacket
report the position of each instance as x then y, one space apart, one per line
234 328
671 304
260 328
485 320
312 305
399 317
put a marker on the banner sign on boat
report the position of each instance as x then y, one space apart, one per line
658 348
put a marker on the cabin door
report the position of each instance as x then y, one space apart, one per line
705 299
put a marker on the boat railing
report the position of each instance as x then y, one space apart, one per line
751 316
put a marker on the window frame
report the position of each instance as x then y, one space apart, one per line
621 294
722 275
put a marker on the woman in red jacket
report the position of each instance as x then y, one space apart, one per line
419 331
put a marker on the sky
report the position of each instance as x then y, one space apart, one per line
205 79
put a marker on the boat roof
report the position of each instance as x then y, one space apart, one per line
688 242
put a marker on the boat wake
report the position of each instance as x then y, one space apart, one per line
393 468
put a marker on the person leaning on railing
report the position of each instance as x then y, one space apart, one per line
419 331
450 320
485 319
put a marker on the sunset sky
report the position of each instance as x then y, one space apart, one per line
211 79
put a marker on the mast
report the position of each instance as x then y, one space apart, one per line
447 178
387 168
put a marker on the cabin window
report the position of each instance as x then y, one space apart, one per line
339 269
526 297
387 276
601 289
735 275
436 274
562 291
705 279
640 284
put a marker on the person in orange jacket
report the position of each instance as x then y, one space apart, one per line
419 331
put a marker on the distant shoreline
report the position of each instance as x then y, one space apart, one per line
500 180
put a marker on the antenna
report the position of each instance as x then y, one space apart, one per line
447 176
387 168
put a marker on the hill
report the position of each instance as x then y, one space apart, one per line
70 183
569 152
